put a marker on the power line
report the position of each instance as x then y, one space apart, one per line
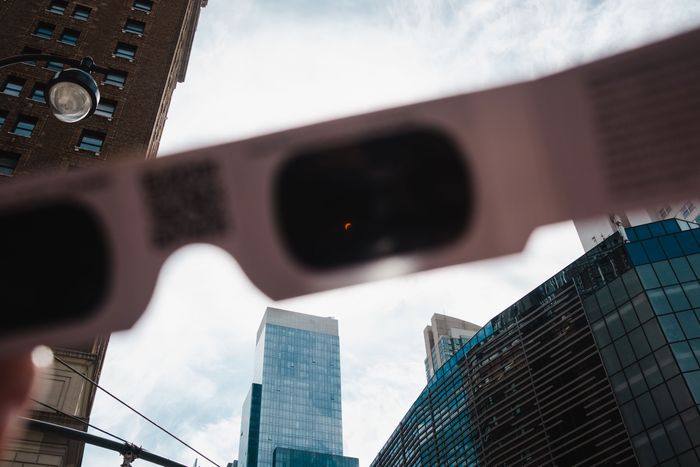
129 452
79 420
131 408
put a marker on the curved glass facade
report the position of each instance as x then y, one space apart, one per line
531 387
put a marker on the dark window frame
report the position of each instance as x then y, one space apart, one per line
30 50
81 13
145 6
100 111
25 126
125 51
6 170
13 80
133 26
86 141
40 29
57 7
54 66
69 37
37 93
109 78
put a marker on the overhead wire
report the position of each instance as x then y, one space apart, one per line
78 419
86 378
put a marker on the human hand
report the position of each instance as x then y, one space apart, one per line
17 375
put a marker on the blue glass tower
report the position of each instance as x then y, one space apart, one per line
294 402
599 365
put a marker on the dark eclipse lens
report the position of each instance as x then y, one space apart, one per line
54 268
397 193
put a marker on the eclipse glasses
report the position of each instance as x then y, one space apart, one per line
372 196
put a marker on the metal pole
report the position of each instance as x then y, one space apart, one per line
88 438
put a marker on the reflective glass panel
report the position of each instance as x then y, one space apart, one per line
629 317
647 410
684 356
637 253
643 308
635 378
653 249
693 380
651 371
665 273
614 325
667 362
657 229
676 298
654 335
639 342
673 331
648 276
670 246
689 323
682 269
632 282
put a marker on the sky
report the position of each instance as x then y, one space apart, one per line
265 65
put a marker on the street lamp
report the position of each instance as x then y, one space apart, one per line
72 94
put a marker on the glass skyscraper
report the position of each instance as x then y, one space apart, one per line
599 365
443 337
292 413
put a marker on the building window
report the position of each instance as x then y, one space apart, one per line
134 27
54 66
8 162
687 209
143 5
3 117
44 30
38 93
665 211
30 50
69 36
91 141
81 13
125 51
57 6
25 126
115 78
13 86
106 108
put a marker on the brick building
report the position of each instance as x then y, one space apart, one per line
146 45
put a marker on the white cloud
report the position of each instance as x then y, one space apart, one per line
258 66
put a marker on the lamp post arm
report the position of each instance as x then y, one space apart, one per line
122 448
86 62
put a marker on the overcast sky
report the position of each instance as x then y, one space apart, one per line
260 66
